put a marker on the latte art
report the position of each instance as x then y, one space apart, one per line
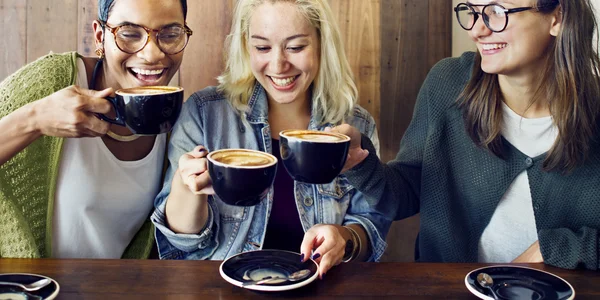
148 90
318 137
315 136
242 159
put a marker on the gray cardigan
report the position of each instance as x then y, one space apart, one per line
440 173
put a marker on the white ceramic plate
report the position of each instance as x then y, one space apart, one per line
256 265
10 292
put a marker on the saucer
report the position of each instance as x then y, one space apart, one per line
12 292
259 264
514 282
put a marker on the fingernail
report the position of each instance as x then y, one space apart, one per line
302 257
316 255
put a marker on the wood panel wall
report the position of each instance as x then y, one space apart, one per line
415 34
391 45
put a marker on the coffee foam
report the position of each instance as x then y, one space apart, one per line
149 90
315 136
242 159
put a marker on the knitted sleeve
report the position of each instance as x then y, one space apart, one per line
27 181
37 80
394 188
565 248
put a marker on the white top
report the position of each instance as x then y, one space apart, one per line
512 227
101 202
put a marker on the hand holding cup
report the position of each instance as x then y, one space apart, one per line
70 113
356 154
192 169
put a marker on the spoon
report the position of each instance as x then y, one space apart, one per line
34 286
296 276
486 281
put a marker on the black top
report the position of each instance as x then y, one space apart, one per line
284 230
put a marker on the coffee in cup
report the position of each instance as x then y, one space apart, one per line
241 177
146 110
312 156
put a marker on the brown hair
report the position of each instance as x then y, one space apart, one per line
570 84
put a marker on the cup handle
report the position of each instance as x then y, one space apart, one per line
119 120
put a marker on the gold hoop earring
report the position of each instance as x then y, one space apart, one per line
100 53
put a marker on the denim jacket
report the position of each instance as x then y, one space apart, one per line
210 120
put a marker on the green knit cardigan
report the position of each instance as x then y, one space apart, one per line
28 180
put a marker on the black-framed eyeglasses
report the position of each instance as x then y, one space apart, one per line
495 16
132 38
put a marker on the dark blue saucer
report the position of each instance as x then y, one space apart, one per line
9 292
514 282
256 265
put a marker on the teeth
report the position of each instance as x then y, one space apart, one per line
283 82
493 46
147 72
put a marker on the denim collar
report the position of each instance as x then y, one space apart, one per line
258 110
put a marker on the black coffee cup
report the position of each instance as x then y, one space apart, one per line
311 156
146 110
241 177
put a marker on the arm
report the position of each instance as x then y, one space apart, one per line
29 107
371 226
184 217
386 185
363 225
570 249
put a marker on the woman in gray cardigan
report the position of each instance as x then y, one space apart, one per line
501 158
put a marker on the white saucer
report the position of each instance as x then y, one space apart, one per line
48 292
256 265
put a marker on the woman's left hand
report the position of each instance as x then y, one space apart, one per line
327 243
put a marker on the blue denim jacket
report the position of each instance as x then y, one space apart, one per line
208 119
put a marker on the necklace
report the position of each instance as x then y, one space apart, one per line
122 138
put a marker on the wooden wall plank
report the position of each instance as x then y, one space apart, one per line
87 12
51 26
415 35
13 44
359 22
439 35
203 57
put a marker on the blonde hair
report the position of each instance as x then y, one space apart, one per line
334 92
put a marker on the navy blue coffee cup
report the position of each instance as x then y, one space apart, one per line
146 110
241 177
311 156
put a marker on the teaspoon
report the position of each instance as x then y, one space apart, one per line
296 276
486 281
34 286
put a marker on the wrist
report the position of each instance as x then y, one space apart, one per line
26 119
353 245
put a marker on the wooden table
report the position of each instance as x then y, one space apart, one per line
155 279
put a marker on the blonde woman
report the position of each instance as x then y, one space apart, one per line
286 69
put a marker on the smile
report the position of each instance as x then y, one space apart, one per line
283 81
487 47
149 76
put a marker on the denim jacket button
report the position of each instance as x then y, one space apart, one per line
308 201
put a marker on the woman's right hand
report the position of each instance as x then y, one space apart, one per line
356 154
71 112
193 169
